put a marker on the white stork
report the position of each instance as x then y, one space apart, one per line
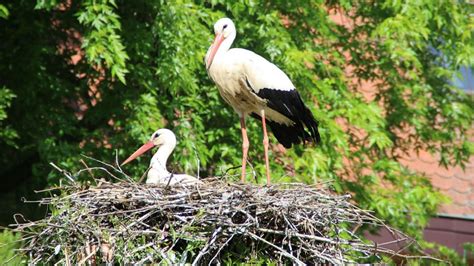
254 86
165 140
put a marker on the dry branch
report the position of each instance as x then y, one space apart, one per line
128 222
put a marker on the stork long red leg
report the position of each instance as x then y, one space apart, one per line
265 145
245 147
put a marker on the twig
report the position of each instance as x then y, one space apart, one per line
198 162
118 170
283 252
64 172
221 247
93 252
206 247
87 167
144 174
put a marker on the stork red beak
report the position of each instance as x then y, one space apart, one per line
215 46
139 152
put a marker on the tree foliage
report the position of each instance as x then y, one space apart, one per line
10 242
141 68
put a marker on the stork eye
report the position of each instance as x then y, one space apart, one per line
156 135
225 26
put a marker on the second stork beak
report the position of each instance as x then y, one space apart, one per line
147 146
215 46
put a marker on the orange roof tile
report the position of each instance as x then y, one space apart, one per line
456 183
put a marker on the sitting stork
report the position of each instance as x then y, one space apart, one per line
254 86
165 140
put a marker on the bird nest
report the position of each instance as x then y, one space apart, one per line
215 222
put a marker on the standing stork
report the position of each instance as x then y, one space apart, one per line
254 86
165 140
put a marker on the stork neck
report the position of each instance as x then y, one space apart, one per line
225 46
159 160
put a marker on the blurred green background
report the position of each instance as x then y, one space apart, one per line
97 77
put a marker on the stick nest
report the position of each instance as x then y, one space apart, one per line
215 222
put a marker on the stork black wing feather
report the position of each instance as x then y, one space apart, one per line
289 104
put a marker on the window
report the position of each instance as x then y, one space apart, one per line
466 81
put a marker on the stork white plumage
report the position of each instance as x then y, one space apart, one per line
254 86
165 140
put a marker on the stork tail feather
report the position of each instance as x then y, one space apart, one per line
289 135
289 104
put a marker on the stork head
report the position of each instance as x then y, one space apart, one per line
224 29
158 138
